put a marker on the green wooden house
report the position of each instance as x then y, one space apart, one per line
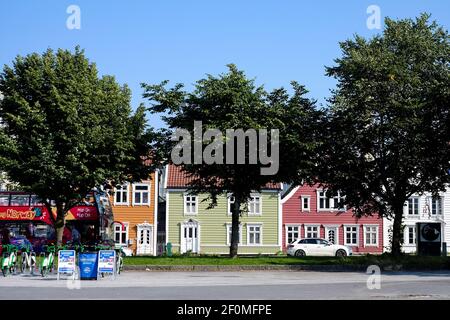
191 227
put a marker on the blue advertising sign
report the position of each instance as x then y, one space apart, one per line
106 261
66 261
88 265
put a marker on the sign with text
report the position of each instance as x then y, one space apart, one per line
66 261
106 261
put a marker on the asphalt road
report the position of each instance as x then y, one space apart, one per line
244 285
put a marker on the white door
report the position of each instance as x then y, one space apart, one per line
190 235
144 239
331 235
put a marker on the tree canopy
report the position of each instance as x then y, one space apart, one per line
387 132
232 101
65 130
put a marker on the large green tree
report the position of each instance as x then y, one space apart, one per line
387 135
65 130
232 101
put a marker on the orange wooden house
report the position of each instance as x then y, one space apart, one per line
135 206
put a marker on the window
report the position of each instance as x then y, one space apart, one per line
336 200
413 206
4 199
121 234
312 232
121 195
20 200
371 235
436 206
230 204
254 205
306 203
292 233
351 235
190 204
310 241
35 201
254 234
325 203
141 194
229 234
410 235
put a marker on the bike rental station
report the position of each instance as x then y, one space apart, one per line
28 238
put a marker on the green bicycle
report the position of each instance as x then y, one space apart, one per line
47 259
9 259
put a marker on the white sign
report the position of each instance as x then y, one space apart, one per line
106 261
66 262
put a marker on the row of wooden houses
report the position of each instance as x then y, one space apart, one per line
160 210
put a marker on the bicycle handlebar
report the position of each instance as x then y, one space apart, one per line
9 248
50 248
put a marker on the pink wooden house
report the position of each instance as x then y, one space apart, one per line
308 213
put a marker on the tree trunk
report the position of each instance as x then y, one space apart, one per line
397 232
60 222
235 227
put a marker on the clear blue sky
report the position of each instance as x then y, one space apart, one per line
150 41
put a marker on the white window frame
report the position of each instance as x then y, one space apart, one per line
440 202
126 225
312 226
229 203
260 225
190 213
141 191
330 201
377 234
413 207
299 231
122 191
357 235
254 195
228 230
406 235
303 198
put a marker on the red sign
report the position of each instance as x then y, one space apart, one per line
82 213
25 213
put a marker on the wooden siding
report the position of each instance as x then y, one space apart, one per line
213 222
423 216
136 214
293 215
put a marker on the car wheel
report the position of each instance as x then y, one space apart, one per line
300 253
341 253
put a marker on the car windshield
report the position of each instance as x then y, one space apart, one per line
321 241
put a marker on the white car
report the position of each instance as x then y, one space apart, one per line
317 247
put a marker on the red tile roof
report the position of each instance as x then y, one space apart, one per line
176 178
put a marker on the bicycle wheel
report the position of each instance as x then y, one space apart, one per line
120 264
44 271
23 265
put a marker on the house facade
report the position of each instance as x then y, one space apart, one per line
309 213
192 227
422 208
135 207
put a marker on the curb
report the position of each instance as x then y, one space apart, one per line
206 268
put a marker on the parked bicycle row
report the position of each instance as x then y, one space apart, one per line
24 258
